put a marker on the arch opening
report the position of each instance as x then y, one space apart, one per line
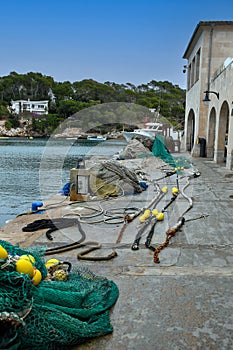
221 142
190 131
211 134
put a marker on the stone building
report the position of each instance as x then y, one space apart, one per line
209 97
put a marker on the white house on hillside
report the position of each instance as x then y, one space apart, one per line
36 107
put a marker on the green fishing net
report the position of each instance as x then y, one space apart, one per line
160 150
53 314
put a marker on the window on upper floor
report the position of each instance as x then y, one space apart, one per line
198 55
193 69
189 77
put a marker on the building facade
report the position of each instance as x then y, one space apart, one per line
35 107
209 98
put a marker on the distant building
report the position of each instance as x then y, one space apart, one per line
35 107
209 108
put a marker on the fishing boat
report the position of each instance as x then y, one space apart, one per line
96 138
150 130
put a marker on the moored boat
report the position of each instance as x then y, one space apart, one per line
150 130
96 138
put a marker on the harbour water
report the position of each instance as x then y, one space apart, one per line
20 166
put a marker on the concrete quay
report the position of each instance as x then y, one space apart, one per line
186 301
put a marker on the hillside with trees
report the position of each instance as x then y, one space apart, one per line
68 98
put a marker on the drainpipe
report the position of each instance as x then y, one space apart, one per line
210 55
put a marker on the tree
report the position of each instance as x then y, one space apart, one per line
12 122
66 98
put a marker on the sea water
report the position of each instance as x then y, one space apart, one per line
21 162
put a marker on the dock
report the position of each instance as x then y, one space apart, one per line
183 302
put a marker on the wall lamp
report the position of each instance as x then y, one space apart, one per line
184 69
206 98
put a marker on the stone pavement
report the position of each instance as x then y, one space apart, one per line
186 301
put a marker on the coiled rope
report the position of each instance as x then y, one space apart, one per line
122 173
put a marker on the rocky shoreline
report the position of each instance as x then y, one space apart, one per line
26 132
17 132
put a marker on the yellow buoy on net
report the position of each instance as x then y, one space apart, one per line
60 275
3 253
28 257
37 277
51 262
24 266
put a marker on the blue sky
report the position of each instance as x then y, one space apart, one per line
121 41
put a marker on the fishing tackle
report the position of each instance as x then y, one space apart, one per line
168 173
170 233
155 201
180 222
151 232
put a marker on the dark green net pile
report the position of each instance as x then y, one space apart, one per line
60 314
159 150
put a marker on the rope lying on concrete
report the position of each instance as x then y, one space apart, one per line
154 202
59 223
151 232
170 233
180 222
54 225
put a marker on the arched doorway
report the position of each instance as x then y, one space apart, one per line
190 131
222 132
211 134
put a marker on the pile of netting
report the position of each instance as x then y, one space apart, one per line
144 147
160 150
138 147
39 311
111 178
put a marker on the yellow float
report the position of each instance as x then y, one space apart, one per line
24 266
3 253
160 216
174 190
37 277
155 212
28 257
51 262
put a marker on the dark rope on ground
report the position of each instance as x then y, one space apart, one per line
53 225
59 223
95 245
